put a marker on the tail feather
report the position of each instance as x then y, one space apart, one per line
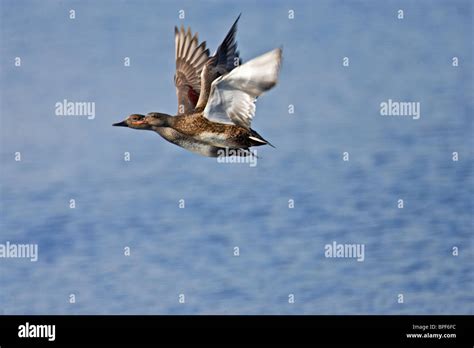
258 140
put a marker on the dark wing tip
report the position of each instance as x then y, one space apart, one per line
238 17
227 50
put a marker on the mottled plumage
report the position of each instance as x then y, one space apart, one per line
216 97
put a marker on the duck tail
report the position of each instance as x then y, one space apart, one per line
258 140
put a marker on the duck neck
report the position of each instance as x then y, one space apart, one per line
161 120
166 120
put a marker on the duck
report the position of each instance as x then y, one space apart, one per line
216 97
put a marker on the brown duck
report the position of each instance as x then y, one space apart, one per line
216 97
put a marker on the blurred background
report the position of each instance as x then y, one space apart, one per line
191 251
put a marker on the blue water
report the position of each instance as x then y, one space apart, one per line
190 251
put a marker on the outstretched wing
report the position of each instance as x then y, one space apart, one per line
224 60
227 56
190 59
232 97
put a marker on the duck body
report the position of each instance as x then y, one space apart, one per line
216 97
187 142
195 126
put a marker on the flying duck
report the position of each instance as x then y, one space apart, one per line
216 97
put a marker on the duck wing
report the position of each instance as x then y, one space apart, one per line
190 59
233 96
224 60
227 57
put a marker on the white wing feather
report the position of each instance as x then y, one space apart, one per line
232 98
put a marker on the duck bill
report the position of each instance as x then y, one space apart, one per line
120 124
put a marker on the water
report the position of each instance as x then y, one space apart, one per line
190 251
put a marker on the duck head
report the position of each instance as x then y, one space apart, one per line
134 121
150 121
156 119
